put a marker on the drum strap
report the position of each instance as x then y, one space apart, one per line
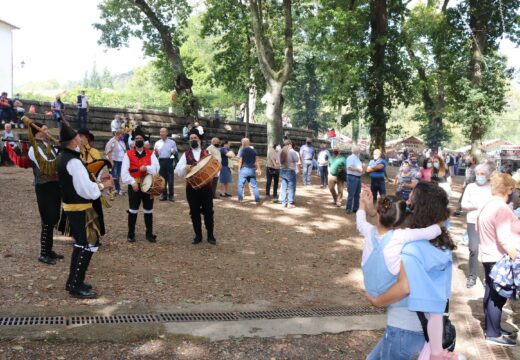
190 158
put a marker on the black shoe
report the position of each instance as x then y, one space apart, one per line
501 340
85 286
54 255
171 198
457 213
471 282
196 240
162 198
83 293
131 238
212 240
47 260
227 195
151 238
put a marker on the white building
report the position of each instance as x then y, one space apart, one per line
6 57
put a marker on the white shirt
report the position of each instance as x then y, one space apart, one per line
392 251
165 148
200 130
125 174
180 169
30 153
84 102
115 125
475 196
11 135
116 148
85 188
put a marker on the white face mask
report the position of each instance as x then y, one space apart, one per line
77 149
278 148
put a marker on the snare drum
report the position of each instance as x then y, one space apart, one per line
203 173
153 184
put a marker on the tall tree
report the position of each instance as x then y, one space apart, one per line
276 71
158 23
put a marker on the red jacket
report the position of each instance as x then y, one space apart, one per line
136 161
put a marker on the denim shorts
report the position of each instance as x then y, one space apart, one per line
398 344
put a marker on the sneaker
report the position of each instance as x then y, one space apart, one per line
349 211
121 192
508 334
471 282
501 340
291 206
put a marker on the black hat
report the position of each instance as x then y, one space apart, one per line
33 130
66 132
87 133
196 132
138 132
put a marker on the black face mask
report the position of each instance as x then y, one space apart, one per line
194 144
139 143
309 142
336 153
217 145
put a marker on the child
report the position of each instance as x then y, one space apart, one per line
382 255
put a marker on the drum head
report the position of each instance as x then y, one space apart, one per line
147 183
199 166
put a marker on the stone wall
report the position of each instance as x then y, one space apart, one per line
99 119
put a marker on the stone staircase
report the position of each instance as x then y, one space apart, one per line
151 121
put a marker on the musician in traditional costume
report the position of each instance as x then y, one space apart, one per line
137 163
45 169
89 155
78 192
199 200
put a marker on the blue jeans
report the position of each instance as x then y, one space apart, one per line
398 344
82 118
116 174
288 186
10 113
249 175
377 185
354 190
307 171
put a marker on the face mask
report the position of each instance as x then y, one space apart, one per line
139 143
194 144
436 165
336 153
429 165
278 148
77 149
309 142
481 180
376 157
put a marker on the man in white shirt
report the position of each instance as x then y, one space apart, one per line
197 126
137 163
82 103
200 200
78 192
354 172
115 125
165 149
47 189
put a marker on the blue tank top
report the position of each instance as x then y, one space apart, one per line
377 278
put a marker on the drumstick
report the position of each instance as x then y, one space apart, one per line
28 122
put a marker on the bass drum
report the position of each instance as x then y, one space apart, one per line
203 173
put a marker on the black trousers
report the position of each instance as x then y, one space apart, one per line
166 171
48 198
201 202
272 174
493 304
77 222
136 197
214 185
96 204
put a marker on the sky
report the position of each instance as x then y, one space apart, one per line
56 40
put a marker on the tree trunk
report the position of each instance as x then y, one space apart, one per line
355 120
246 115
273 111
252 103
376 87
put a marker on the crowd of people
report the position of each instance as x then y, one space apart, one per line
407 254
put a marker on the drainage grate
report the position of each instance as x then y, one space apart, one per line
77 320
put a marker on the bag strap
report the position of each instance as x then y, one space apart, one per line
424 321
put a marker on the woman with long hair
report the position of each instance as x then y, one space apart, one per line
440 174
427 169
424 282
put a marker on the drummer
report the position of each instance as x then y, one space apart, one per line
137 163
200 200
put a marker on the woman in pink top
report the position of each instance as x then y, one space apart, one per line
427 170
499 231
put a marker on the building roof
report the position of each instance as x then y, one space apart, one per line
10 25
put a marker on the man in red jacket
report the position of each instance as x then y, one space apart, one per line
138 163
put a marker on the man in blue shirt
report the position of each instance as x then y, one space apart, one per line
249 168
306 156
354 172
376 168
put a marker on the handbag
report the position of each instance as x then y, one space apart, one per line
342 174
449 334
